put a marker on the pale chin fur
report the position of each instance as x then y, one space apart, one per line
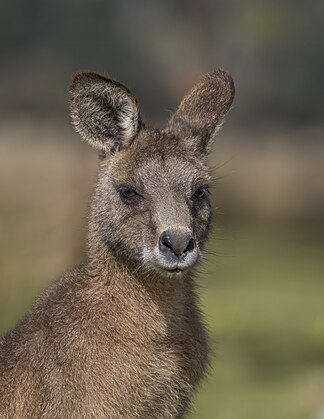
150 261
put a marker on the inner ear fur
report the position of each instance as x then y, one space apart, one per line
103 111
201 112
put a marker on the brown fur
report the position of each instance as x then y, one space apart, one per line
121 336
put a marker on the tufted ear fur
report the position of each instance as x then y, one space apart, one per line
202 110
103 111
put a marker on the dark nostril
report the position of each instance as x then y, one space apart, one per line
177 243
165 241
191 246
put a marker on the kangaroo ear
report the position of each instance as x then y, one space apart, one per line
201 112
103 111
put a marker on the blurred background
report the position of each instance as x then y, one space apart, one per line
262 284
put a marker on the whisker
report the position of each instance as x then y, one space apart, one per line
221 165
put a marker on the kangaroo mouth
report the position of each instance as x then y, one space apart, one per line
171 270
171 266
174 270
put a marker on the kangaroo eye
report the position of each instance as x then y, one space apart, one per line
127 192
199 193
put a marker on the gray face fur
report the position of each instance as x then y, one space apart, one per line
151 204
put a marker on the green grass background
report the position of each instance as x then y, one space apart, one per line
264 306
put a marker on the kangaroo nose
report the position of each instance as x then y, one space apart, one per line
177 242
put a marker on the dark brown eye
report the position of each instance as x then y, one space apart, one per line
127 193
199 193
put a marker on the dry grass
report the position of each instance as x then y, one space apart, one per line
44 188
272 176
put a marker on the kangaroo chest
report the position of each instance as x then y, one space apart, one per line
151 379
148 364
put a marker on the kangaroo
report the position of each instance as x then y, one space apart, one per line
121 336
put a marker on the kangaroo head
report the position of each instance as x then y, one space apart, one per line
151 203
